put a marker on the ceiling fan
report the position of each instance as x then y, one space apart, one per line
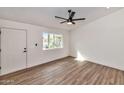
70 20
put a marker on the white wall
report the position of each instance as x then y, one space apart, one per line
36 55
101 41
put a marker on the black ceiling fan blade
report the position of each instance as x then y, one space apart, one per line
63 22
78 19
72 15
73 22
60 17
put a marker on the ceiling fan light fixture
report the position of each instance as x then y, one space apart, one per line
69 23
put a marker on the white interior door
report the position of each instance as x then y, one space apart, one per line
13 54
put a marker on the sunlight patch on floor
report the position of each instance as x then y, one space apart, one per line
79 57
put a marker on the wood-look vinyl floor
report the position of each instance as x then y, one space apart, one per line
66 71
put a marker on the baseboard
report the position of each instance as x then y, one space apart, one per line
34 66
108 65
103 63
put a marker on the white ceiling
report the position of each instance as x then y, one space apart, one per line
44 16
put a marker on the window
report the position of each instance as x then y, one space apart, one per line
52 41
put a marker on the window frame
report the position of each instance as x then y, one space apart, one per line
61 34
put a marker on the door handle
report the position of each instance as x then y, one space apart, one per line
25 50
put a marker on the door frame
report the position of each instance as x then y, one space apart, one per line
26 44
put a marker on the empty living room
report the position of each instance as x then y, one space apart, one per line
61 46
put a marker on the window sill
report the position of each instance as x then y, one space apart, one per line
52 49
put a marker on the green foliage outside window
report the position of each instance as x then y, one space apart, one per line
51 41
